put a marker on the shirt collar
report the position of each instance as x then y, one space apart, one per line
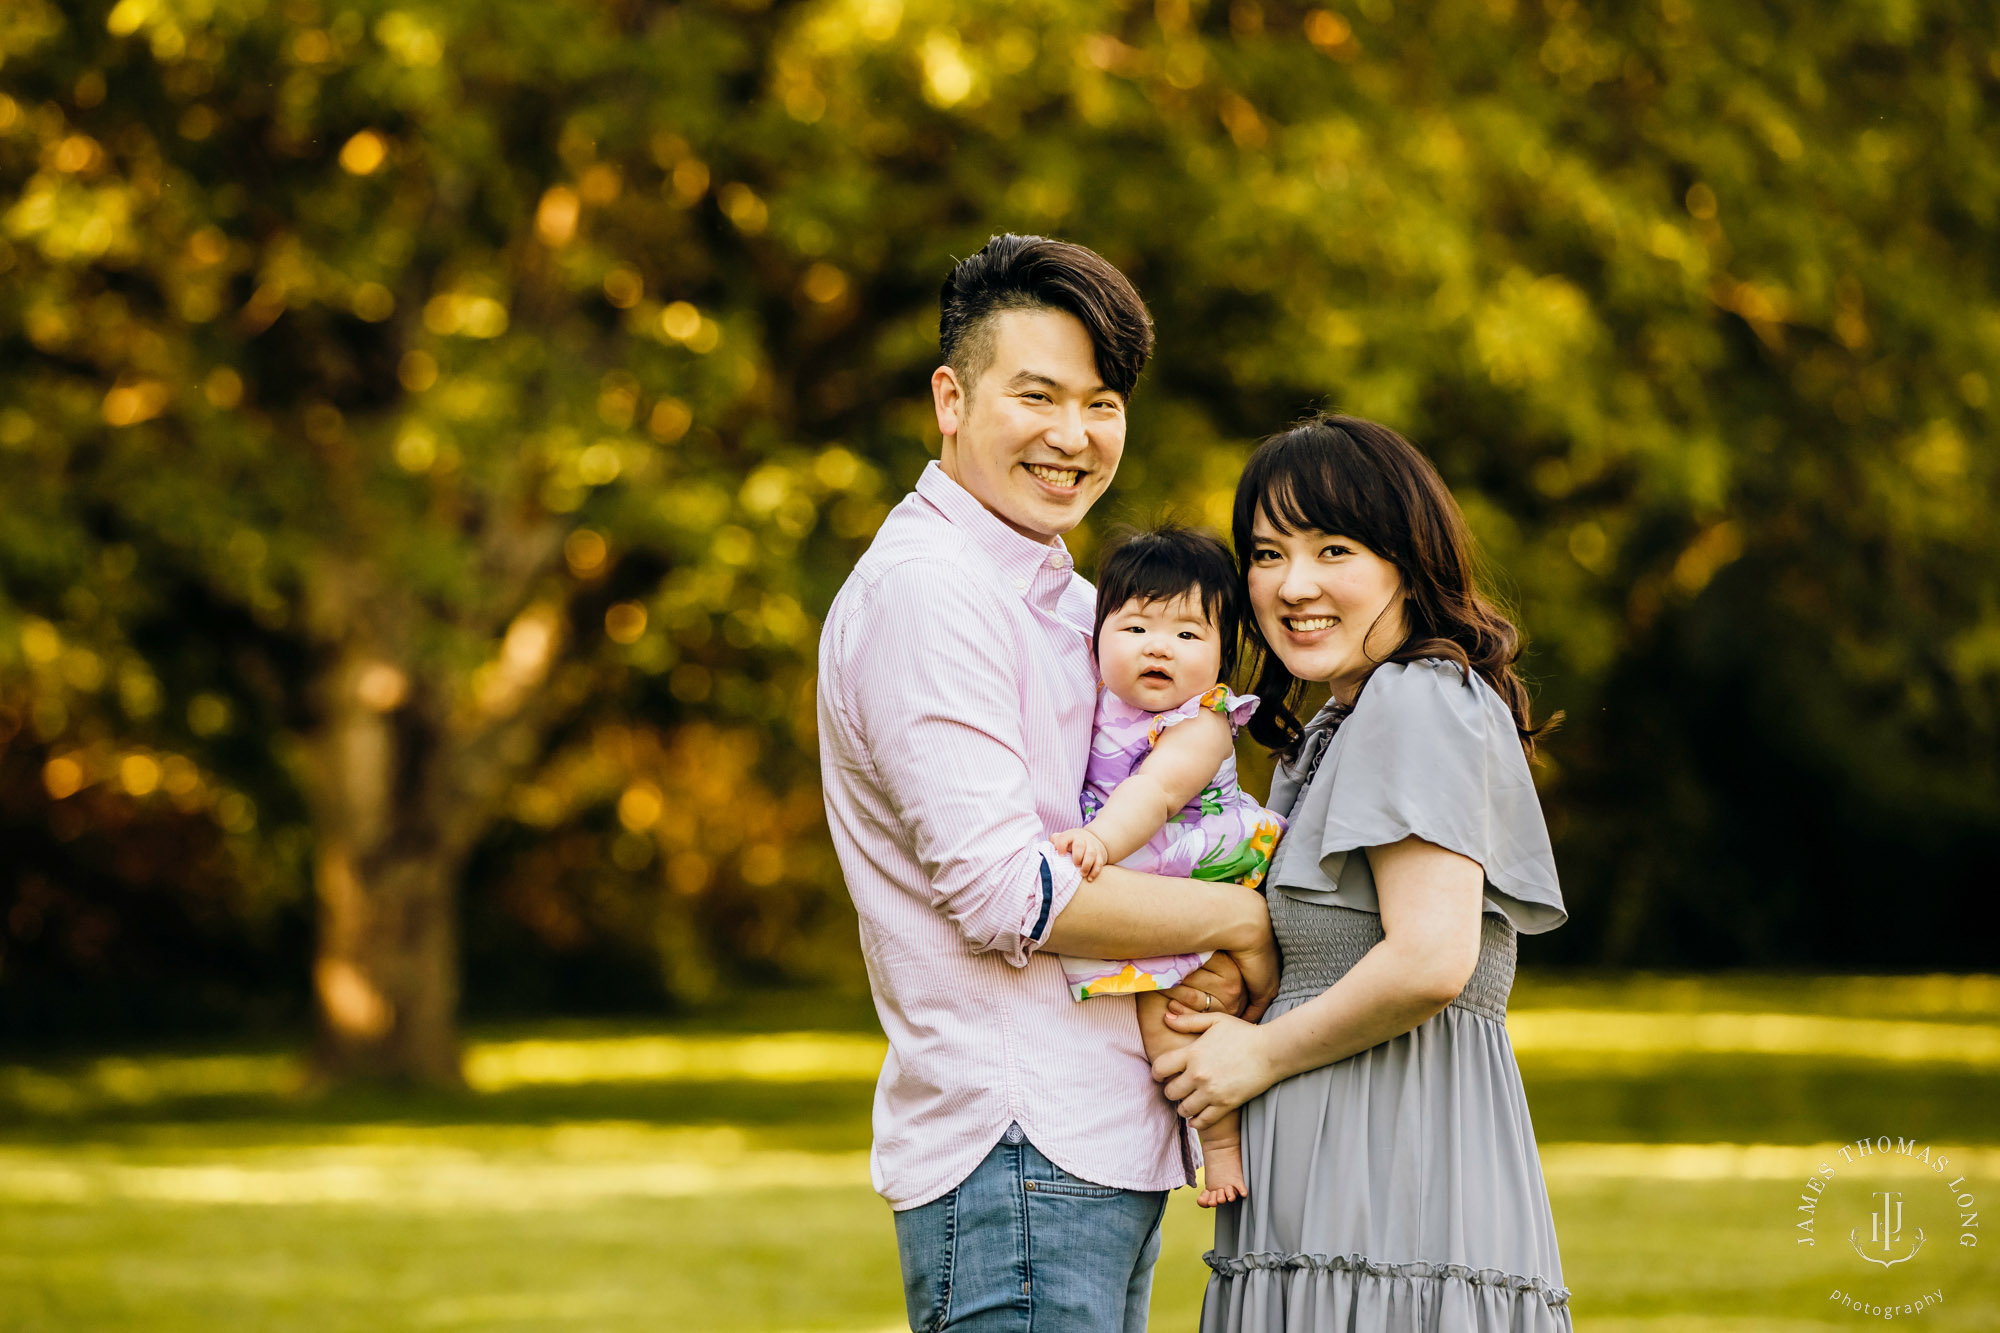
1038 571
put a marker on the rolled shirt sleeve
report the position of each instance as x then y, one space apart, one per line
940 712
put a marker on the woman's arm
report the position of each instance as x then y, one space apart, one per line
1431 902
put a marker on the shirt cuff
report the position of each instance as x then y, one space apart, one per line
1056 880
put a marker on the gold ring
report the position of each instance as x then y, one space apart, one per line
1207 1002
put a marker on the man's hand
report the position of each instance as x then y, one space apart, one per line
1241 982
1260 976
1083 847
1216 987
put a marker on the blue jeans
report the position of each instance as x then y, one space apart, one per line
1024 1246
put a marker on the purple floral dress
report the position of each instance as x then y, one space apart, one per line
1222 834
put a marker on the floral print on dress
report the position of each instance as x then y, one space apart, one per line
1223 834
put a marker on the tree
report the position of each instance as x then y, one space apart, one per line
444 424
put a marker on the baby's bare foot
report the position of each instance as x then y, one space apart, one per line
1221 1174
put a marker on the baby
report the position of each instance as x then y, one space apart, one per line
1160 791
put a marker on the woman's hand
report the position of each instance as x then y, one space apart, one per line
1083 847
1217 1074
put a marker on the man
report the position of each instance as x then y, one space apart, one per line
1018 1133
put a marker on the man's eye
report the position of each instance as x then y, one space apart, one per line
1040 397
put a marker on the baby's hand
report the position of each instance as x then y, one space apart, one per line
1084 847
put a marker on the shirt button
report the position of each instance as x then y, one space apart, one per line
1021 584
1055 562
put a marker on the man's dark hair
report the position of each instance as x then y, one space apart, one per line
1036 273
1160 564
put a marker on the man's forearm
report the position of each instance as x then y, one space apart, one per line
1124 914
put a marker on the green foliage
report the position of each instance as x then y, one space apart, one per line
563 356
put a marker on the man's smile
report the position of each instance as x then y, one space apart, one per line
1065 478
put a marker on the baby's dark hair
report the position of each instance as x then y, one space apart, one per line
1160 564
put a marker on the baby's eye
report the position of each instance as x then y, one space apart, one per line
1189 634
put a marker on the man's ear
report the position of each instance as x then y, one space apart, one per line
948 398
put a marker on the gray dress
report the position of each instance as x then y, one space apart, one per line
1399 1189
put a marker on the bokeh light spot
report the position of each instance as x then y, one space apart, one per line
363 154
625 622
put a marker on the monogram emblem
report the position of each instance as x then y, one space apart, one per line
1885 1229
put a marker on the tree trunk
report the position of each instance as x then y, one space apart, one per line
386 873
386 974
403 775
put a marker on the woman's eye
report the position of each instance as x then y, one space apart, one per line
1335 550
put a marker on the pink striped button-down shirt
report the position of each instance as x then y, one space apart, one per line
956 691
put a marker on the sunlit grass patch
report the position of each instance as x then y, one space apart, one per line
789 1057
490 1067
1579 1162
716 1181
1635 1023
141 1081
1637 1037
1946 997
449 1168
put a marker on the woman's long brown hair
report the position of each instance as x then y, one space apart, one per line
1359 479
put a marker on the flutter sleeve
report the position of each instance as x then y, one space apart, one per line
1220 699
1428 753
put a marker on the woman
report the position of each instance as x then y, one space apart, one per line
1394 1181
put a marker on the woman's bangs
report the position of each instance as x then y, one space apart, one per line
1299 489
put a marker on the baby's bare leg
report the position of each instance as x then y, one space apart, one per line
1222 1176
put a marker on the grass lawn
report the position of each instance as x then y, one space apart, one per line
714 1177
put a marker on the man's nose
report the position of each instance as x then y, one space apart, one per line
1067 434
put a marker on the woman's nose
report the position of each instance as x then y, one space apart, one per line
1296 587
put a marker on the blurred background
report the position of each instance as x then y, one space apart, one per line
430 434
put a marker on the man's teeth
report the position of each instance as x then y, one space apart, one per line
1307 626
1056 476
